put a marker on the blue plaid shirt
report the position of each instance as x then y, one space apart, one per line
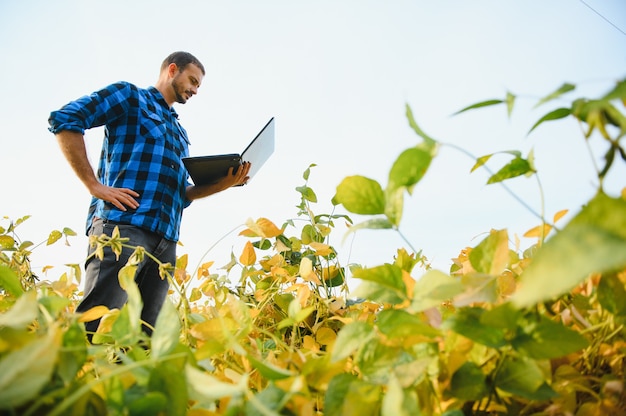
142 150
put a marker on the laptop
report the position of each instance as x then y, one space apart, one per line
205 170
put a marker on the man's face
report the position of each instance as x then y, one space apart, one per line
186 83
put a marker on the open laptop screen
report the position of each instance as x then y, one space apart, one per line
209 169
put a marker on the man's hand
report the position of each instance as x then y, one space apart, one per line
241 176
231 179
120 197
73 147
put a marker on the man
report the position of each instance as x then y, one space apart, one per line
141 185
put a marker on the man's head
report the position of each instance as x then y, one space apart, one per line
182 59
181 76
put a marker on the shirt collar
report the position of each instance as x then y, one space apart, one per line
159 97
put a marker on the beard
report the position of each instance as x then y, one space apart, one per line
179 91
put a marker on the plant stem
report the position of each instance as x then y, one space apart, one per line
502 184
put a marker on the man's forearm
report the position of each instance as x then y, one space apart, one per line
231 179
197 192
72 145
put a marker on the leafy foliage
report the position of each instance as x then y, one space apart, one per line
277 330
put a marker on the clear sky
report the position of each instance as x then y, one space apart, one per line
336 75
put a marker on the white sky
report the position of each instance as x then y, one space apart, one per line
336 75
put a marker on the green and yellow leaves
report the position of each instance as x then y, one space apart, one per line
26 370
365 196
518 166
351 338
594 241
56 235
10 282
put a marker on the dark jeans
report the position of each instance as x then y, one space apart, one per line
101 282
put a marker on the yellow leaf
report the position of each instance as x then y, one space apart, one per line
248 255
54 237
536 231
217 329
182 261
203 271
280 272
306 271
269 229
106 323
325 336
309 343
560 214
94 313
261 228
409 282
321 249
196 294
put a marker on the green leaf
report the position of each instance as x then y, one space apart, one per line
134 304
491 255
565 88
387 275
481 162
151 403
350 338
10 282
360 195
373 224
269 401
503 316
23 312
168 378
54 237
453 412
546 339
486 103
552 115
612 294
483 159
69 231
73 354
166 331
522 376
54 304
516 167
467 322
347 395
378 362
394 205
7 242
24 372
307 172
594 241
617 93
377 293
206 389
399 401
478 288
397 323
409 168
430 143
269 371
434 288
307 193
468 382
510 101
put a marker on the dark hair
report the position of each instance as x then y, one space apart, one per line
182 59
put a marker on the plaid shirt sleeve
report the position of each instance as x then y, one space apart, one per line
142 150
